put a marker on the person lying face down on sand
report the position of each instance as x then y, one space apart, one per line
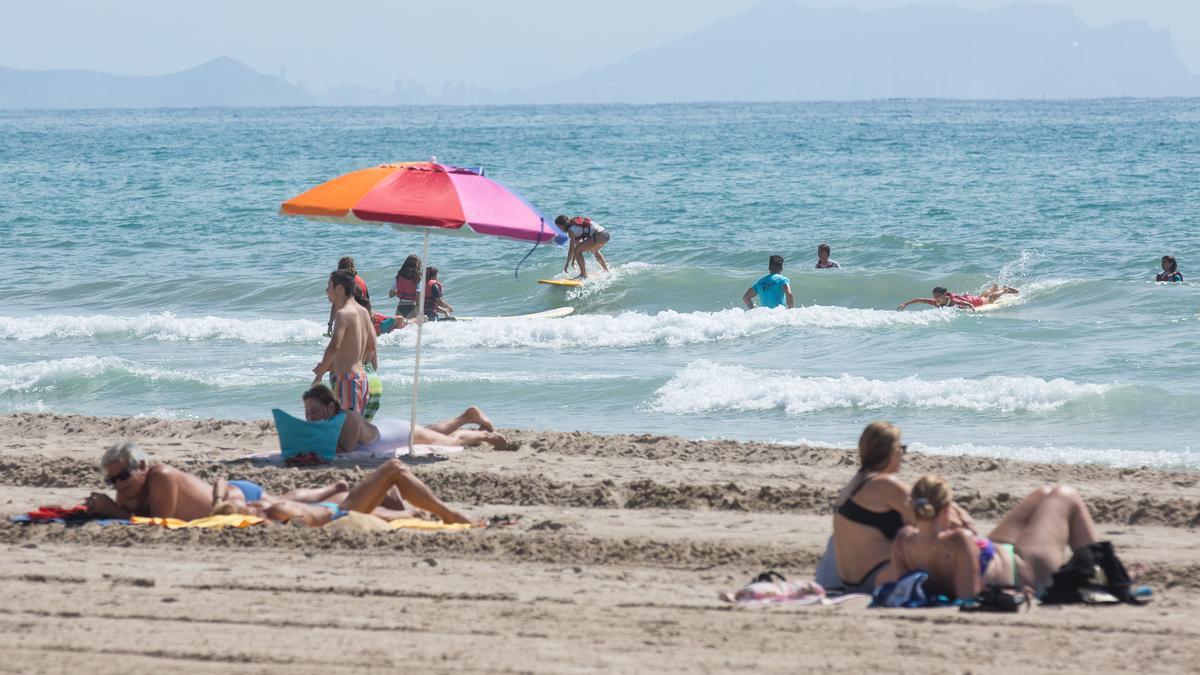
871 509
389 434
944 298
368 497
151 489
1025 549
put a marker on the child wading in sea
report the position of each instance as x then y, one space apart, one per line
435 298
1170 270
405 288
823 261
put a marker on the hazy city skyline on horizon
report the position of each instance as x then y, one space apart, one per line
515 45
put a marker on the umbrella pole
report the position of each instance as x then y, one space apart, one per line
417 357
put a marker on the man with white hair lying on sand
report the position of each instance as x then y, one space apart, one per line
148 488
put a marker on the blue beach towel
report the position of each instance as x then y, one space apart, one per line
908 591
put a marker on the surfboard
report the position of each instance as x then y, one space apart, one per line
1003 301
572 283
556 313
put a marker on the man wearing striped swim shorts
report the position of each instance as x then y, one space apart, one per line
350 346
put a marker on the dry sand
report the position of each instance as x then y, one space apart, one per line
625 543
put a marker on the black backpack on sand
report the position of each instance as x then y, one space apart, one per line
1094 575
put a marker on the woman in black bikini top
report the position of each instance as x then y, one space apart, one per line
862 536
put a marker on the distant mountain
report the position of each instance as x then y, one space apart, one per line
220 82
779 51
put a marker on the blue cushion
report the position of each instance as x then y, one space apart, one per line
297 436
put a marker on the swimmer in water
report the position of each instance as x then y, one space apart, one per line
1170 270
944 298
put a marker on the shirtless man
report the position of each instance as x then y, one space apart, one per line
351 345
149 489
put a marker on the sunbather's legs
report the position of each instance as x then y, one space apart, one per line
321 494
1045 526
370 494
472 415
466 437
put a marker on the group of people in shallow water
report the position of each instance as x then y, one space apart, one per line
883 529
775 290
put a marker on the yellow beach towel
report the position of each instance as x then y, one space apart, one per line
209 523
429 525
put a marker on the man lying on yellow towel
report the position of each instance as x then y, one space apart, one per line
367 497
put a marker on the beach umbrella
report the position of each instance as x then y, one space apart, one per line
425 197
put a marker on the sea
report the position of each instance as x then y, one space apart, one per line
146 270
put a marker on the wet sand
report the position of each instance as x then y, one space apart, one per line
616 565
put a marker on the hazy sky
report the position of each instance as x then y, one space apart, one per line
500 44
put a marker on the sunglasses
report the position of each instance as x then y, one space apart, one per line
122 476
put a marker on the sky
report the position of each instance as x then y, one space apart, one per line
495 44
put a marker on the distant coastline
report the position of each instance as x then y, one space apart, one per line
775 52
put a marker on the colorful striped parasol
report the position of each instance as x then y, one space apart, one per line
425 197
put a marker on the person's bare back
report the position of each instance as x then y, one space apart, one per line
351 345
357 344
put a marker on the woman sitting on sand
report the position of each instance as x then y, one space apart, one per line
370 496
390 434
944 298
1025 549
871 509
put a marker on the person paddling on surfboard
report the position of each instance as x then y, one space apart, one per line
944 298
772 290
587 236
1170 270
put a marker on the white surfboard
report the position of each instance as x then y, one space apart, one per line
1007 300
571 283
556 313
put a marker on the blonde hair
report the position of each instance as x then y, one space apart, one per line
930 494
876 444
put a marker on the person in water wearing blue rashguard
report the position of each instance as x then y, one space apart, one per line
772 290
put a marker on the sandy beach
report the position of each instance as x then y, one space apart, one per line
616 566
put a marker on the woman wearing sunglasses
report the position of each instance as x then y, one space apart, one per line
868 513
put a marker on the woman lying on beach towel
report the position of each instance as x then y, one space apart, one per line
870 510
389 434
369 497
1025 549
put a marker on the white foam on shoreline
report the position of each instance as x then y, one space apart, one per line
627 329
704 386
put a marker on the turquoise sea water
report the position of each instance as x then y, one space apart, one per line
145 270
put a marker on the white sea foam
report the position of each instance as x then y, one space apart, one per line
633 329
704 386
165 327
1051 454
41 376
628 329
600 281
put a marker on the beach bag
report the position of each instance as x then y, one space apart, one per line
997 598
772 588
1093 575
907 591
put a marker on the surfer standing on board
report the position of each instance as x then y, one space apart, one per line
944 298
587 236
772 290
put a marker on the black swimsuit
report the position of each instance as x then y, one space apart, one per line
888 523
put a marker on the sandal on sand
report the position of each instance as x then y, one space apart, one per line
504 520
